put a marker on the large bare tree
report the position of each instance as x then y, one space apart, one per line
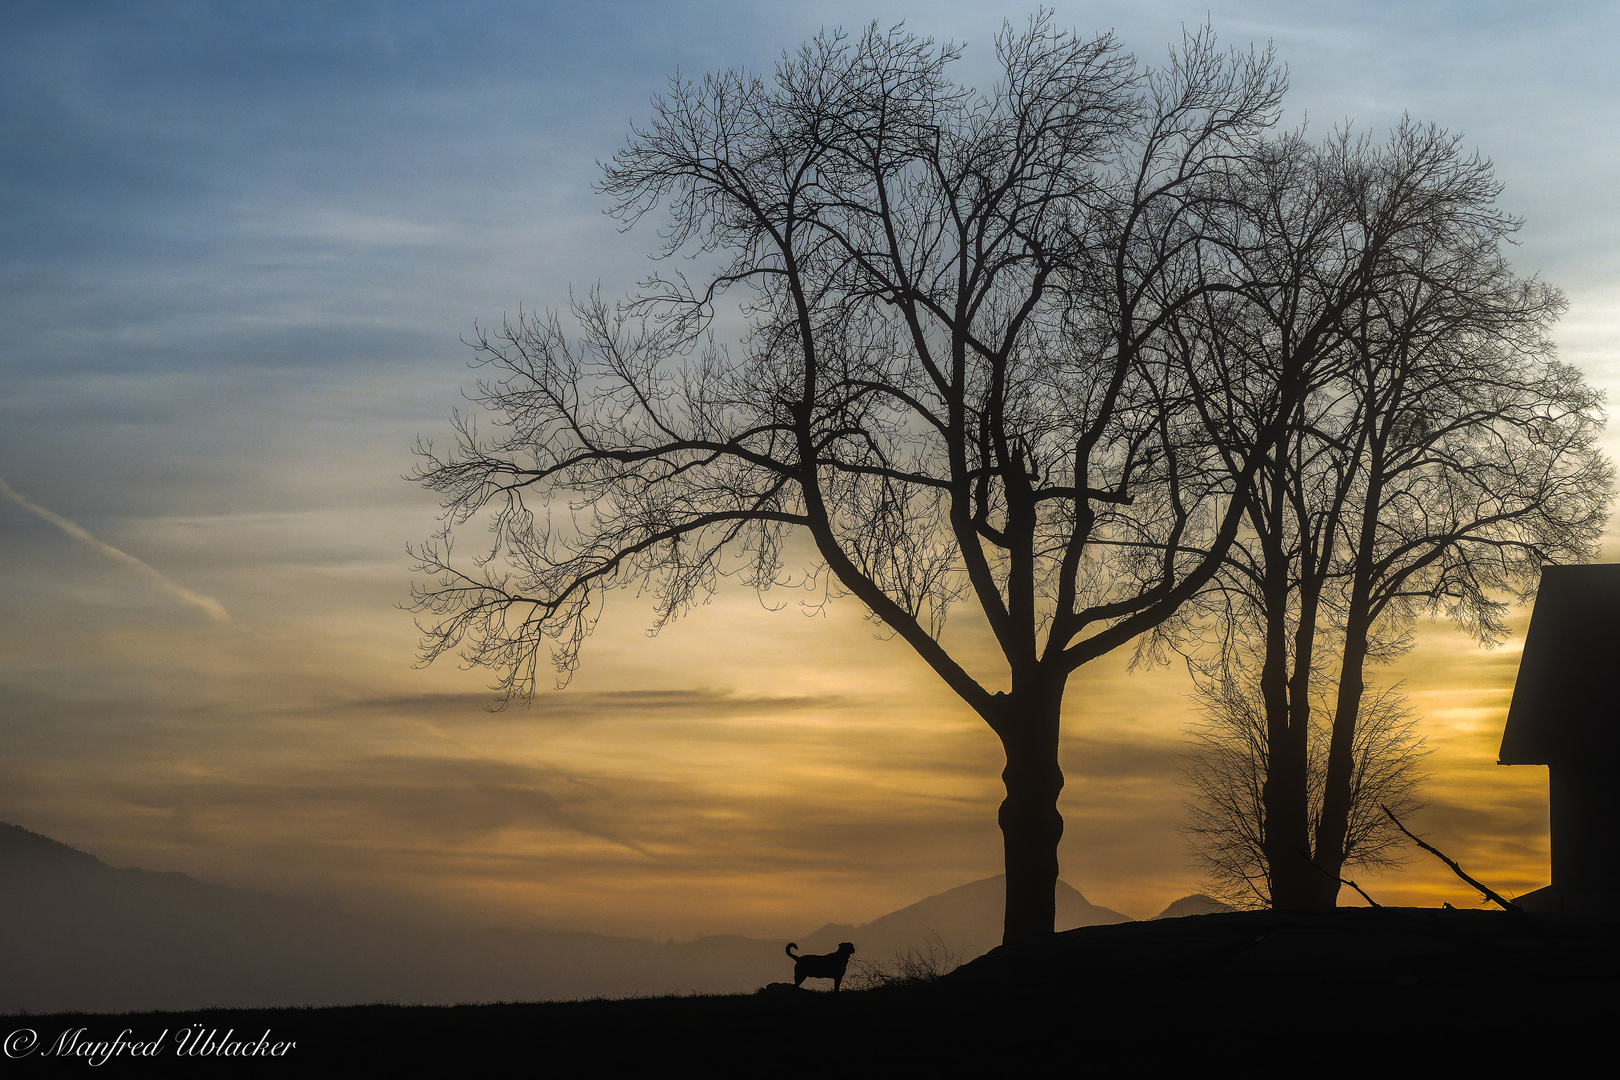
954 375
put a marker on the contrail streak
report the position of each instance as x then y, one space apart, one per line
213 608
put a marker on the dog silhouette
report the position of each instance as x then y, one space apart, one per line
824 966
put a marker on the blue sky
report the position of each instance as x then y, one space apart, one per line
239 243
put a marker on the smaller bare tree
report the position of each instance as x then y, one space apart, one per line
1439 455
1227 770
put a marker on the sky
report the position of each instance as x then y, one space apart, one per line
240 244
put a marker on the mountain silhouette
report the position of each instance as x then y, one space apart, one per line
1196 904
966 920
77 934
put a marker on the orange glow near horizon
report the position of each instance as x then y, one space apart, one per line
798 773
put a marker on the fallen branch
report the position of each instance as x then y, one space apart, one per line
1489 893
1344 880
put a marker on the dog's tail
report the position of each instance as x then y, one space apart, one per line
789 950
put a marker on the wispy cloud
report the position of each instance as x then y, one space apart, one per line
207 604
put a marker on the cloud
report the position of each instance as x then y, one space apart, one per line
207 604
711 703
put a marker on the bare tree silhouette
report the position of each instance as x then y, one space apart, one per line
1439 457
975 366
1227 770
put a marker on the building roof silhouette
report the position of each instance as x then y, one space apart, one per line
1566 700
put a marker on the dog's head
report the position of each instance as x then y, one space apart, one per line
845 948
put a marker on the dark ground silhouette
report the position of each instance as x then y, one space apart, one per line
1423 987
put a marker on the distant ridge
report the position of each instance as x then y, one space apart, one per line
967 920
79 935
20 848
1196 904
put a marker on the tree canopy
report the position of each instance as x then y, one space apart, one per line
974 347
1440 456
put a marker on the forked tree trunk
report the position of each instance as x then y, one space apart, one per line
1030 823
1285 793
1316 885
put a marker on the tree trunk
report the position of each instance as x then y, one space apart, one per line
1030 823
1333 827
1287 825
1314 888
1286 792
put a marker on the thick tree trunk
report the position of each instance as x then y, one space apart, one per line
1315 889
1294 881
1030 823
1285 795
